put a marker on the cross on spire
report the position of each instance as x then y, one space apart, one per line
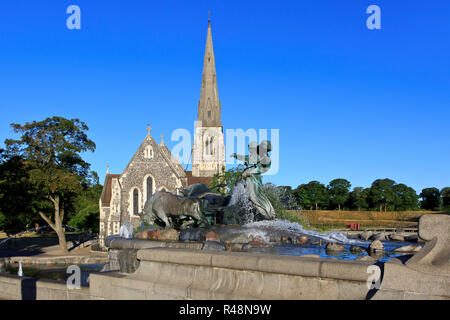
149 129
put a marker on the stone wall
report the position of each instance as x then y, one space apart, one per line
192 274
188 274
168 273
21 288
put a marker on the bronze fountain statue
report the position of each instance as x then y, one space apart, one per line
257 163
198 203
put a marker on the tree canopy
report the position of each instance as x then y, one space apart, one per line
312 194
445 195
52 151
431 198
339 190
382 195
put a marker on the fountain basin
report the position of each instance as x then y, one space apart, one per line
122 252
174 273
169 273
193 274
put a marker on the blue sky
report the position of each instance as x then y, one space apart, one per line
349 102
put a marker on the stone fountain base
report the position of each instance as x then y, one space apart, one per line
192 274
122 252
182 271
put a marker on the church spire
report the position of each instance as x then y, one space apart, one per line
209 104
208 152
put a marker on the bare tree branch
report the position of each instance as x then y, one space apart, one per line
47 219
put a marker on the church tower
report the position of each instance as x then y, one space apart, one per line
209 147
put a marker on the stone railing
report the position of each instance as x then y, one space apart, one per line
192 274
22 288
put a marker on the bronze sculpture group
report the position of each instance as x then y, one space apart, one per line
198 202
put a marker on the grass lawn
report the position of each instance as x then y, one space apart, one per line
327 219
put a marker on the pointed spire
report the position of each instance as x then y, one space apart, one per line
107 169
209 104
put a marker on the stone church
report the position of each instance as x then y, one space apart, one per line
153 167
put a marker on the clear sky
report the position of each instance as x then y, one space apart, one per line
349 102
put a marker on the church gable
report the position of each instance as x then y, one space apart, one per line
149 170
147 151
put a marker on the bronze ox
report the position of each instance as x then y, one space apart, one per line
164 206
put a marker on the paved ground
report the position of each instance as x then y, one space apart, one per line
50 252
45 246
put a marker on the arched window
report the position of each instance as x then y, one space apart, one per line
209 146
149 187
148 152
135 201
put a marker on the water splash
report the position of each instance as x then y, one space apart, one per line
126 230
20 271
244 212
240 198
278 227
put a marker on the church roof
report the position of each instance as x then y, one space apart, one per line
107 189
171 160
193 180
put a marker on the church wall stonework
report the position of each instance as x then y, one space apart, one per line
136 173
150 160
206 162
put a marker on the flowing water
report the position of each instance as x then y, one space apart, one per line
278 227
317 241
266 228
299 250
240 198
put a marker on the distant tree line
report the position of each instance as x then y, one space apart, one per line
382 195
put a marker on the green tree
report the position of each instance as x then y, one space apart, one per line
228 179
358 198
312 194
339 190
86 219
17 195
52 149
382 194
445 195
302 197
287 197
86 208
431 199
406 197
